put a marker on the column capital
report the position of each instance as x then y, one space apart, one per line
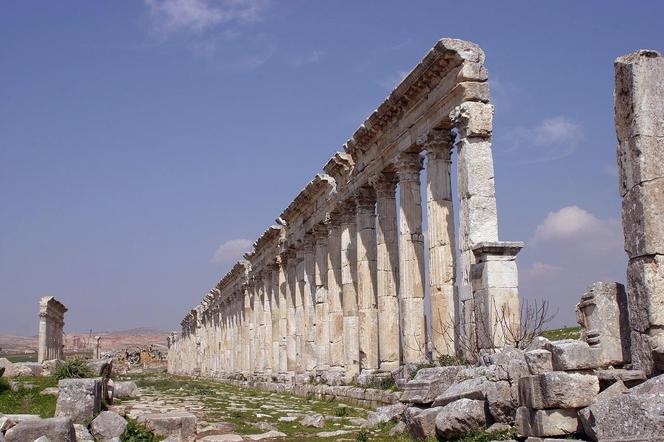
308 242
438 144
347 211
473 119
320 233
409 165
385 184
365 198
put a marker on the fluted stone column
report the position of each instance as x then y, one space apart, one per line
411 258
366 278
442 270
246 330
309 294
334 292
284 294
293 290
275 325
387 280
299 313
267 317
43 350
321 298
349 290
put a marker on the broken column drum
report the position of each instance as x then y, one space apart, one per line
340 286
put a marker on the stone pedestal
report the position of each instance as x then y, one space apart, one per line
496 292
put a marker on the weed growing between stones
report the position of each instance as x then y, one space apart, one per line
73 369
136 432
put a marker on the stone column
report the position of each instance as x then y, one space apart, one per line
275 270
411 258
321 307
299 313
442 269
639 108
349 290
267 317
334 293
366 278
246 329
284 308
254 327
387 258
293 284
309 354
478 219
42 353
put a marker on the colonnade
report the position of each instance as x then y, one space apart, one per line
345 284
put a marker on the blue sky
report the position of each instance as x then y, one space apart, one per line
144 143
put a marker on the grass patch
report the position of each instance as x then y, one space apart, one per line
73 369
21 357
484 436
562 333
26 398
136 432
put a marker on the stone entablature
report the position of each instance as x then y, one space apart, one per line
51 326
338 287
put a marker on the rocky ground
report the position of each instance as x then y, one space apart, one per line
243 414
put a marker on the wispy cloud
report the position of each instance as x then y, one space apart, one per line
200 15
540 269
550 139
392 81
231 251
307 58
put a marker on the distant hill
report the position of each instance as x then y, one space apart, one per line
110 340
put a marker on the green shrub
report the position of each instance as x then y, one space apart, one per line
362 435
135 432
449 360
75 368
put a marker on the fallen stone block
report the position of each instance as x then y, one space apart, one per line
615 389
539 361
17 418
180 425
332 433
82 433
501 403
268 435
28 369
50 391
313 420
8 367
221 438
385 414
423 424
474 388
629 377
570 354
507 365
58 429
461 417
125 389
80 399
428 384
101 368
558 389
50 366
108 425
651 386
552 422
627 417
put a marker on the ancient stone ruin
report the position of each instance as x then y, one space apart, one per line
337 288
345 290
51 325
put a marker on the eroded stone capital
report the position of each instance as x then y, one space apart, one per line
439 144
473 119
409 165
365 198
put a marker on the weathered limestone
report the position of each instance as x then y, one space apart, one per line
411 258
79 399
58 429
604 318
337 290
179 425
442 269
558 389
51 324
639 106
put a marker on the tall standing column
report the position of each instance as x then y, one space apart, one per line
246 330
43 337
387 258
411 258
366 278
267 317
308 300
478 218
349 290
276 313
321 306
299 313
334 295
440 224
291 341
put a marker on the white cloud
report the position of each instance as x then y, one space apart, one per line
573 222
200 15
309 58
550 139
540 269
231 250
